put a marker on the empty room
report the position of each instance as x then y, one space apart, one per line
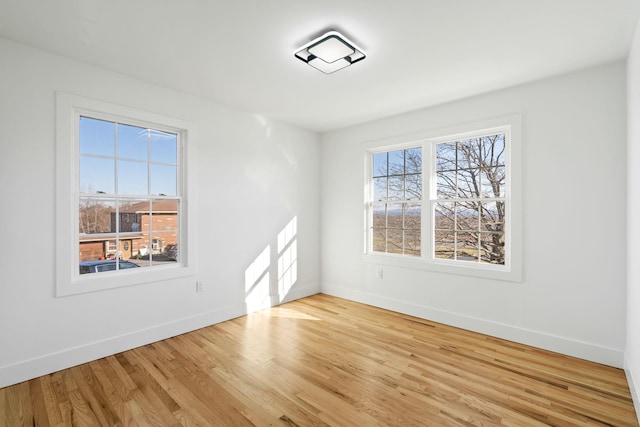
341 213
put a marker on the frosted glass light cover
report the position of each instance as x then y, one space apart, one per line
330 52
331 49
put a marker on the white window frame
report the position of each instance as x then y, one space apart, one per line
512 269
68 280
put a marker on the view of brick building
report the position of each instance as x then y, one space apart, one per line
143 230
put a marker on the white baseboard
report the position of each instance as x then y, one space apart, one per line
52 362
634 385
575 348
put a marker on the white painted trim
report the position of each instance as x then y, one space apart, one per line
558 344
49 363
634 385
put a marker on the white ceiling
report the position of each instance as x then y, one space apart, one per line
240 52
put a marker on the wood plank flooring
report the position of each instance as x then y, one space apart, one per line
325 361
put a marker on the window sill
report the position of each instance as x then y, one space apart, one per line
117 279
482 271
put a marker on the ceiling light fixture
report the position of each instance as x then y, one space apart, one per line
330 52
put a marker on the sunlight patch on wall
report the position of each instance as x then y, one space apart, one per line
287 258
256 279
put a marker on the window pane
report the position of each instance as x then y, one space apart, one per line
164 147
469 183
380 164
97 175
446 185
467 246
132 177
493 182
492 245
444 247
95 215
380 189
413 160
444 216
492 216
468 152
163 179
133 142
396 162
396 187
493 149
130 215
445 156
467 216
97 137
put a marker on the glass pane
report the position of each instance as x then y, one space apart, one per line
379 243
493 182
412 216
396 187
164 147
413 159
380 216
444 245
97 137
96 216
444 216
468 153
133 142
414 187
467 246
412 242
131 213
164 179
469 183
446 185
492 248
467 216
493 149
394 241
132 177
396 162
445 156
97 175
380 164
492 216
380 189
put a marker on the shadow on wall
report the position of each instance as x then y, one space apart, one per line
274 271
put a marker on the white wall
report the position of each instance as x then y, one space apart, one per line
632 361
572 298
253 178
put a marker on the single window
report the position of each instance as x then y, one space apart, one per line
397 203
445 202
122 196
129 192
469 202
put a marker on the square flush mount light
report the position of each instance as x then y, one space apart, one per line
330 52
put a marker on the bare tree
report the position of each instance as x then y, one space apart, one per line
470 211
95 216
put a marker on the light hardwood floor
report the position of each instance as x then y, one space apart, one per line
325 361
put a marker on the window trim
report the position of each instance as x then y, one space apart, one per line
68 280
512 270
